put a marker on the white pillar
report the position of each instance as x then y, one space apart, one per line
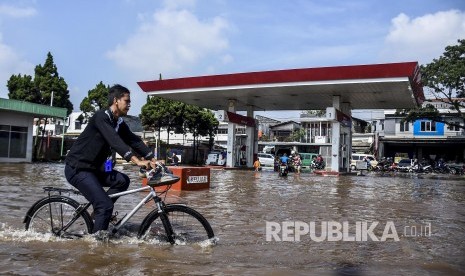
335 142
251 139
231 145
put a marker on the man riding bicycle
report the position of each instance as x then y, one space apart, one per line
90 162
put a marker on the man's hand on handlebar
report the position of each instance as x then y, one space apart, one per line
146 163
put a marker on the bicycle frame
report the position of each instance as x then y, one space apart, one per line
81 209
84 206
152 195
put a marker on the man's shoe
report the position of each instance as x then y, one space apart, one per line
102 235
114 219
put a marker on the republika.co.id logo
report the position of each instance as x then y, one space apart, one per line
337 231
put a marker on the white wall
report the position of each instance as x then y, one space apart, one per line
23 120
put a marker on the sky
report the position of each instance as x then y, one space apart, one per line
126 41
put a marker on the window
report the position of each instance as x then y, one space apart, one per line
427 126
13 141
455 127
404 126
4 140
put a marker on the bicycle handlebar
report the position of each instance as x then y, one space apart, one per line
143 172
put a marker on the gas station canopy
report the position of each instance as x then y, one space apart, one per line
375 86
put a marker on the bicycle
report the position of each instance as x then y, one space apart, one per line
65 217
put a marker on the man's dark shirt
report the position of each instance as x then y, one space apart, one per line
103 135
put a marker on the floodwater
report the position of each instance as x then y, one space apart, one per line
400 224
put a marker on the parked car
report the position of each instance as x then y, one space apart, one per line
307 158
404 165
266 159
359 157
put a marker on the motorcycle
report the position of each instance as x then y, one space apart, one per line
283 169
457 169
441 167
421 168
317 165
385 165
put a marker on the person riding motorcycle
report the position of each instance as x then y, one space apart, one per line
284 159
283 162
318 163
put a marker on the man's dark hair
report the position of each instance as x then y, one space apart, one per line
116 91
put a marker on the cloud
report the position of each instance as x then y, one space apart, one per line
16 12
423 38
175 4
171 40
11 63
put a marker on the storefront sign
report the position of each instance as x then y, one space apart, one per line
193 179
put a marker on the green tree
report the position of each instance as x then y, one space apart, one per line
297 135
39 90
96 99
200 122
47 88
153 116
174 117
444 79
22 88
315 113
160 113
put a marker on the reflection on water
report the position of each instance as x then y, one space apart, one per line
239 204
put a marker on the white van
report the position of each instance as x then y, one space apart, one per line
359 157
266 159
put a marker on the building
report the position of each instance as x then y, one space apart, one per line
285 131
341 88
17 142
264 125
424 138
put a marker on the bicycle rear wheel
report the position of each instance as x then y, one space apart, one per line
52 214
187 226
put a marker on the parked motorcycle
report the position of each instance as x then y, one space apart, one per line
421 168
385 165
441 167
457 169
317 165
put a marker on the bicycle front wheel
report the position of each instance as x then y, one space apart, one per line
57 215
187 226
